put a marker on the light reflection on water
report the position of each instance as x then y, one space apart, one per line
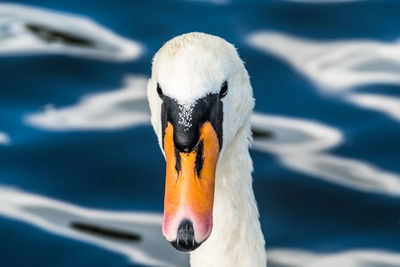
4 139
350 258
299 144
334 65
115 109
56 217
304 146
28 30
340 66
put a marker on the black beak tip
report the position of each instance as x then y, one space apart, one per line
185 237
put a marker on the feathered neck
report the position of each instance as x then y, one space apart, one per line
236 238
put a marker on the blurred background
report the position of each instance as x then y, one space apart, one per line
81 173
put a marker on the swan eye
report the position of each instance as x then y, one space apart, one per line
159 91
224 89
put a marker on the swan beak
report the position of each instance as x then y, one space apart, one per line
189 189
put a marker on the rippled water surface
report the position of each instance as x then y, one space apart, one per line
81 173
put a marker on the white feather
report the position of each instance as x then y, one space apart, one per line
187 68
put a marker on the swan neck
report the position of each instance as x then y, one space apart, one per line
236 238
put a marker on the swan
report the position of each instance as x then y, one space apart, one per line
200 99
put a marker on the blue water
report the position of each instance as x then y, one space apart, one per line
122 169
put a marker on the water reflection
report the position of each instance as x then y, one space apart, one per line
110 230
29 30
4 139
323 1
120 108
303 146
348 258
340 66
334 65
138 235
389 105
300 144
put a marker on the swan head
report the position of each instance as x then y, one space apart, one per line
199 95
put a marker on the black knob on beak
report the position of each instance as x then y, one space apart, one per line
185 237
187 121
185 140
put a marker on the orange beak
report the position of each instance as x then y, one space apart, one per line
189 189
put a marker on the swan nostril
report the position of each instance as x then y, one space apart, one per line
185 237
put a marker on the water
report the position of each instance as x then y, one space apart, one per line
81 174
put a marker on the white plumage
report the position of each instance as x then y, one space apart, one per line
189 67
